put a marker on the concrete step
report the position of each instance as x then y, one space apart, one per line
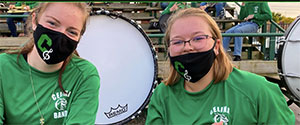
12 42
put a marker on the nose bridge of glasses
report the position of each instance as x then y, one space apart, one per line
188 41
188 46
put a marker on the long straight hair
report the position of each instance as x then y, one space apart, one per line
222 64
39 10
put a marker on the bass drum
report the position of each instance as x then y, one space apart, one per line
289 59
126 62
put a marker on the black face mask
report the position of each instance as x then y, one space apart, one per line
193 66
52 46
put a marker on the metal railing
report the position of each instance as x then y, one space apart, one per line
269 52
13 16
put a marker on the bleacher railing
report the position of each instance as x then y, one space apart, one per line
268 52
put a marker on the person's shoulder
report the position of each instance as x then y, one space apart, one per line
85 66
4 57
248 83
247 78
7 60
163 89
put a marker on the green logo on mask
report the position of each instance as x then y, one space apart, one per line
177 64
44 38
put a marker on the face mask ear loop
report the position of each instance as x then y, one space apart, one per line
214 44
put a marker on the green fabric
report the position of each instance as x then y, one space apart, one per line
17 103
180 6
30 4
244 98
261 11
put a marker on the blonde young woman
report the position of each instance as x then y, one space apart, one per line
46 82
204 88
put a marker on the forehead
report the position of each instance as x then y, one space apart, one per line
188 25
62 7
65 12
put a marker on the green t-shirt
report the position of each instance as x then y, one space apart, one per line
261 11
30 4
180 5
17 103
244 98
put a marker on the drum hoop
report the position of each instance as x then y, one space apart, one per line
289 29
281 74
115 15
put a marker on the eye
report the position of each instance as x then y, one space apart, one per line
199 38
177 42
73 33
52 23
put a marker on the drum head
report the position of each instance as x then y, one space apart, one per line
289 61
126 62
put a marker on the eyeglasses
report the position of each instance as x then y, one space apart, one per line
198 42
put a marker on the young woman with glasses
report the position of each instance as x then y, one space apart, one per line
203 87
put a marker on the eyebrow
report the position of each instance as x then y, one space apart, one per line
71 27
54 19
198 32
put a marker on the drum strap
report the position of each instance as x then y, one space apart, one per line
293 40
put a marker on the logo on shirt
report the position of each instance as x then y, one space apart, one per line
60 104
116 111
256 9
220 114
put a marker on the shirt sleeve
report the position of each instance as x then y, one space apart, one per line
242 13
167 9
18 4
1 104
83 109
265 13
272 106
155 110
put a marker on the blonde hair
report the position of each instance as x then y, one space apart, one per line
222 65
39 10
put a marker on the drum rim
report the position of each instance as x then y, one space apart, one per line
280 61
289 29
283 79
154 56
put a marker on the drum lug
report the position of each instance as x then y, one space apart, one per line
282 41
290 75
132 21
102 11
133 117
